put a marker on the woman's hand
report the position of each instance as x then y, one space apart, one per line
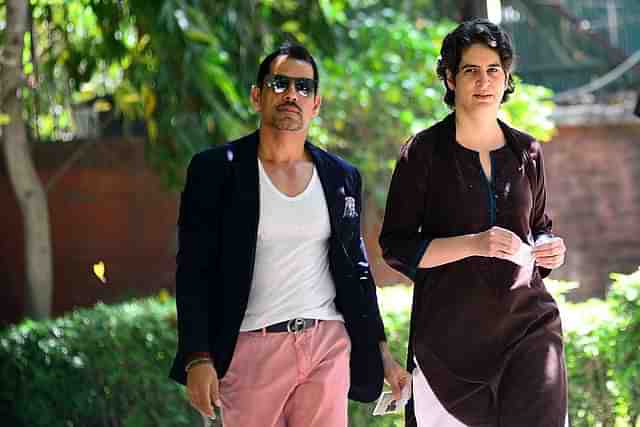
497 242
551 253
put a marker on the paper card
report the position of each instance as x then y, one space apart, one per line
524 257
388 405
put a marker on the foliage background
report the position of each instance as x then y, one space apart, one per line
184 69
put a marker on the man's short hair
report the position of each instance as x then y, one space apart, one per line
470 32
292 50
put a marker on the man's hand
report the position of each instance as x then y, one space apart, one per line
202 388
550 254
394 374
497 242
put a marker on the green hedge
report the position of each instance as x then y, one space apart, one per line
107 366
603 356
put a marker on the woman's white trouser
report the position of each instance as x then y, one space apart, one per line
428 409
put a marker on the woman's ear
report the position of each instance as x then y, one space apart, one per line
450 81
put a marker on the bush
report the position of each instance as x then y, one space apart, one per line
107 366
602 343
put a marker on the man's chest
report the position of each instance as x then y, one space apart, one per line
291 179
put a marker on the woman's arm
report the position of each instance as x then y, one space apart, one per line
405 245
402 239
496 242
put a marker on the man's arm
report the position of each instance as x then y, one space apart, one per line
395 375
203 388
358 254
198 236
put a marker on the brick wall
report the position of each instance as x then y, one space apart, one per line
108 206
593 175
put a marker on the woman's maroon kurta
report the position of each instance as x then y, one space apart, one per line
471 316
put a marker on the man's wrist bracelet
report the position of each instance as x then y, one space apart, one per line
198 361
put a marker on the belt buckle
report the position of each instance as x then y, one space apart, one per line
296 325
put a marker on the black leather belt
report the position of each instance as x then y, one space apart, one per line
294 325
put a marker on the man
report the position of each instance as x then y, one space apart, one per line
466 220
278 319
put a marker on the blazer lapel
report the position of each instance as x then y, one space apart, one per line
332 183
244 210
244 158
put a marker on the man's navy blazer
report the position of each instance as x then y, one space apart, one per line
217 235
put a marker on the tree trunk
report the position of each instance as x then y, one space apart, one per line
24 179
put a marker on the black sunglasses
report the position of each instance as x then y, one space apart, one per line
279 84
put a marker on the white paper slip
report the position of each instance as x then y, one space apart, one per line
523 257
388 405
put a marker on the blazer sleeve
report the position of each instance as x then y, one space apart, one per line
402 239
363 273
541 224
198 246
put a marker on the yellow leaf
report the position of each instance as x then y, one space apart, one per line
149 99
5 119
144 41
130 98
99 271
152 130
101 106
163 296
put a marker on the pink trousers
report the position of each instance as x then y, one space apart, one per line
288 379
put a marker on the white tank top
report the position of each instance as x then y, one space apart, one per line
291 276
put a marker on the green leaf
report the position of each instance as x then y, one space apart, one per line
200 36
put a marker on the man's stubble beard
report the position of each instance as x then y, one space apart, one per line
288 123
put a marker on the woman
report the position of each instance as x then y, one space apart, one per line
466 221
